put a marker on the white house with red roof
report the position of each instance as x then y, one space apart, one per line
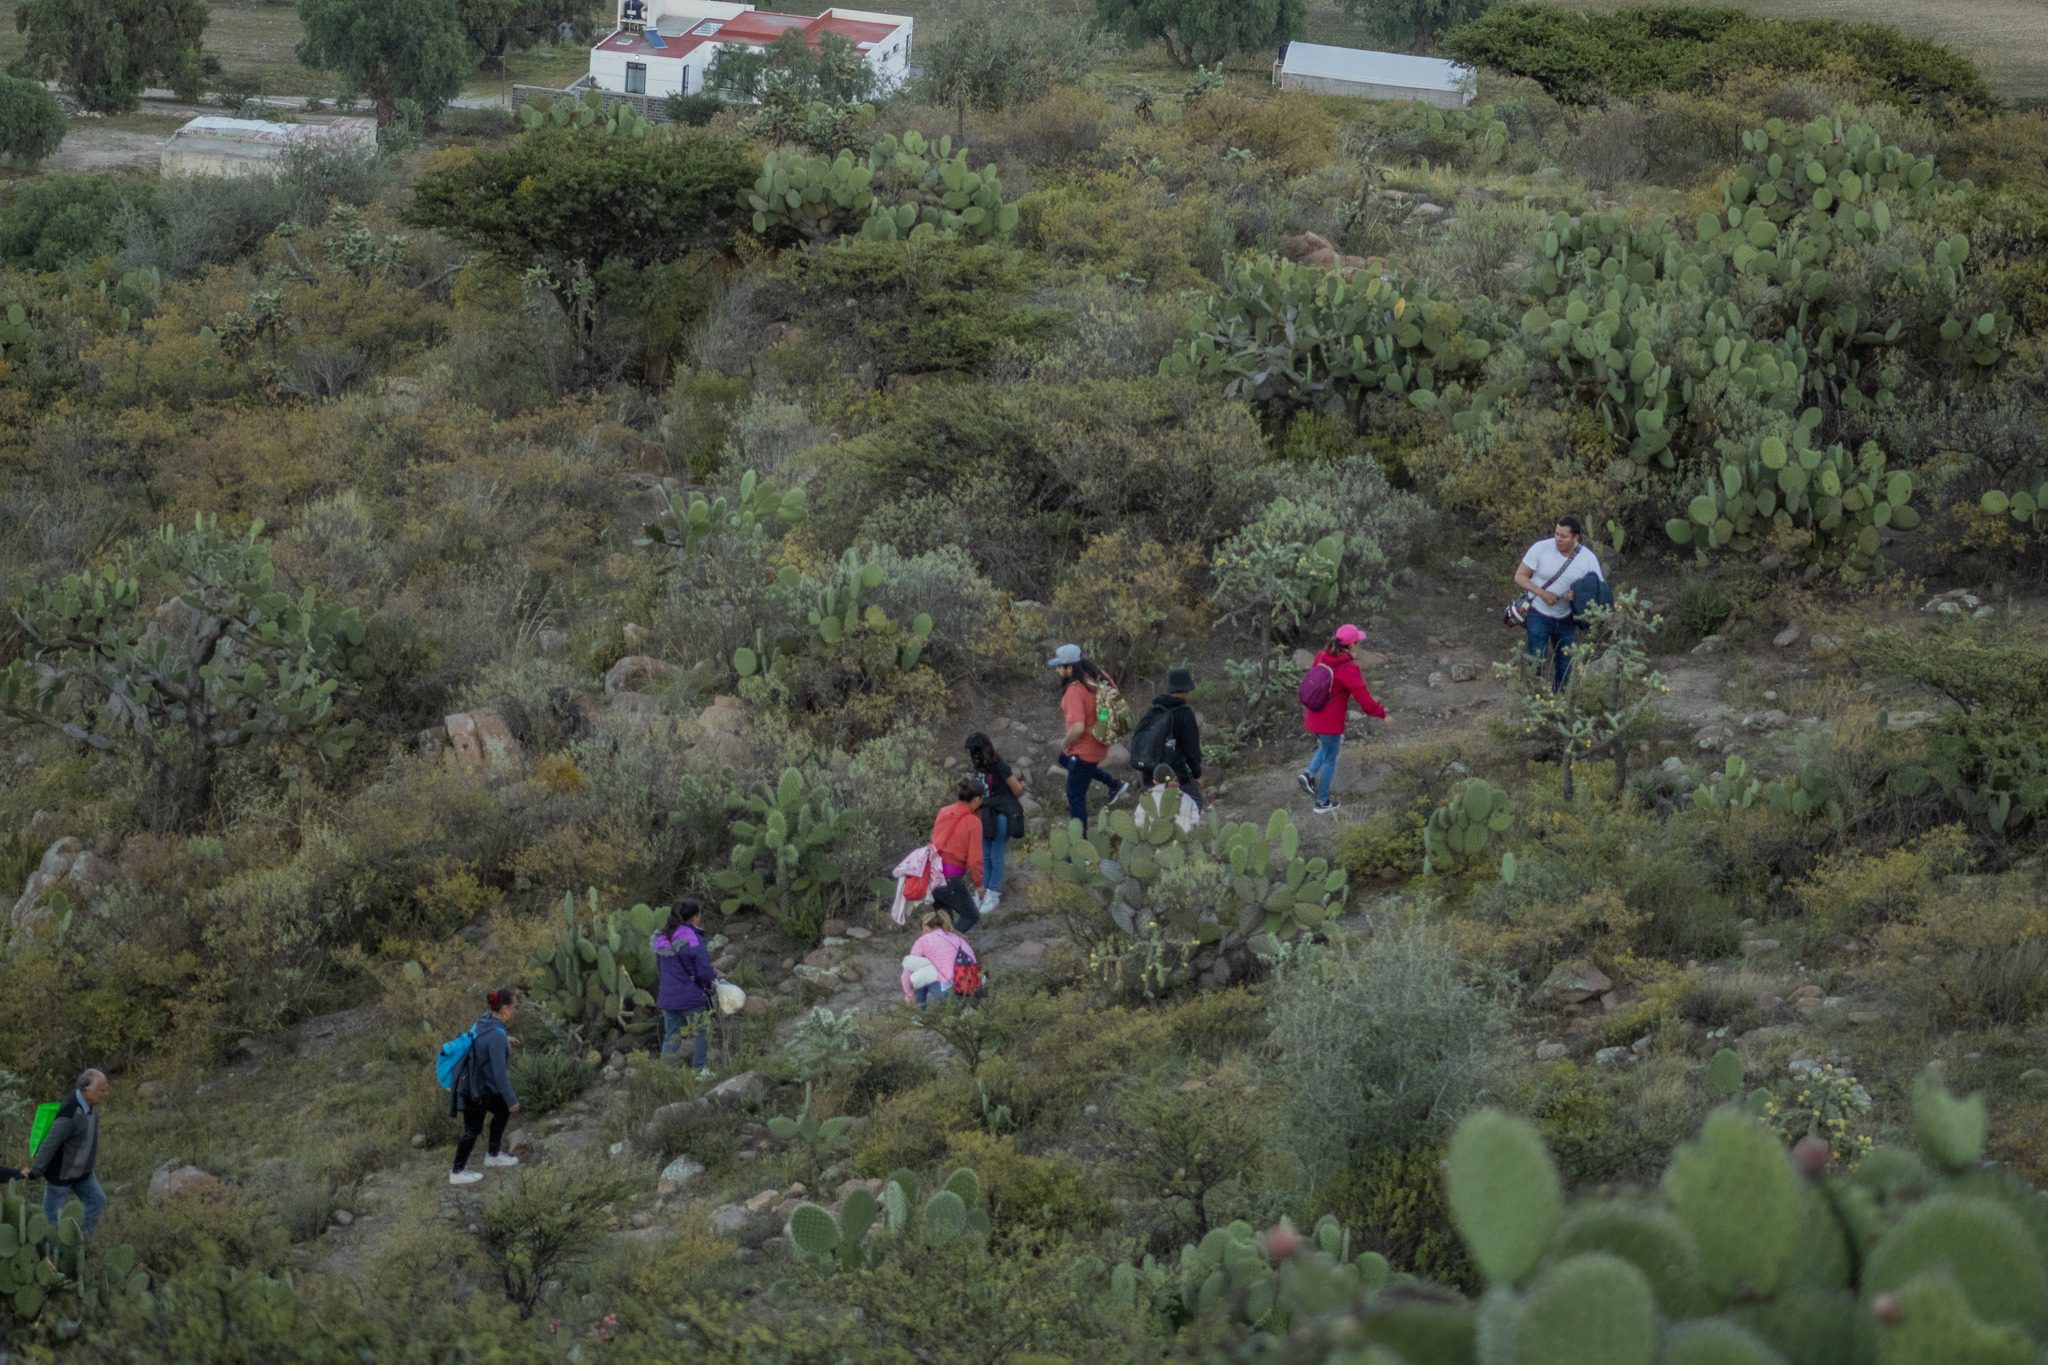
664 47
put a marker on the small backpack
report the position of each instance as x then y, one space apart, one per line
1148 743
966 974
1591 591
448 1067
1317 687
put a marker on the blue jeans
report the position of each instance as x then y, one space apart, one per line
673 1022
1080 772
1548 634
89 1193
1322 766
992 853
938 990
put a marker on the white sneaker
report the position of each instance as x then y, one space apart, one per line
1326 808
1305 782
704 1074
1120 793
501 1159
990 900
465 1177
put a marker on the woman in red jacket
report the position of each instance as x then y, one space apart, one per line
1347 684
956 834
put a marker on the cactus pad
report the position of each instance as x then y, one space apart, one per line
1735 1191
1504 1194
1590 1310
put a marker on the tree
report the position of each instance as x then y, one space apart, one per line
31 124
495 26
1414 23
186 649
104 52
995 56
582 210
1204 32
390 50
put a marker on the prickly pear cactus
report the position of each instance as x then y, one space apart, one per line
1461 831
596 976
1743 1257
901 188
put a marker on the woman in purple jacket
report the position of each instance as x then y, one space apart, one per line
687 981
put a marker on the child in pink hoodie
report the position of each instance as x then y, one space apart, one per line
941 947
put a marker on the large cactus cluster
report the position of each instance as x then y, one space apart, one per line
897 1216
1287 336
1232 1268
687 523
44 1268
783 861
1744 1255
1256 882
839 611
1462 829
1833 504
596 975
903 187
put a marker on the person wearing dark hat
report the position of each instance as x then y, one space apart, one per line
1169 738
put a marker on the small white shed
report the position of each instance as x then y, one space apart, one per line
211 145
1375 75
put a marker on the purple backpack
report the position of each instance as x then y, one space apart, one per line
1316 686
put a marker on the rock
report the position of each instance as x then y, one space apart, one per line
1551 1052
677 1174
730 1220
176 1180
1611 1056
860 935
1303 659
743 1091
635 673
480 738
1863 1018
67 866
1712 737
1640 1045
1710 645
1807 992
1030 953
1753 946
1428 212
419 1139
824 959
1769 1003
764 1201
851 974
1772 719
1788 637
1438 680
758 1003
1824 644
1464 673
551 644
343 1218
1574 982
2034 1079
725 716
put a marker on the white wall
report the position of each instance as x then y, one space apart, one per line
664 74
1331 85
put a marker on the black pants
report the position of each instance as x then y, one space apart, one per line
473 1112
956 898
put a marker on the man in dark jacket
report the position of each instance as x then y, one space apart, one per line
69 1152
1181 751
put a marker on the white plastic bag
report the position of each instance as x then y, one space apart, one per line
731 998
922 971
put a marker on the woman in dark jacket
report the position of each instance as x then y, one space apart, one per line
688 982
484 1086
1002 815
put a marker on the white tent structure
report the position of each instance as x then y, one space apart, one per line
211 145
1375 75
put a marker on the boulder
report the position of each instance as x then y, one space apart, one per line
725 716
177 1180
1464 673
1574 982
730 1220
743 1091
1788 637
1551 1052
635 673
67 866
677 1174
480 738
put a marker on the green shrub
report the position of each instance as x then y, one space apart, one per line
31 122
1395 1196
547 1078
545 1221
55 219
1382 1044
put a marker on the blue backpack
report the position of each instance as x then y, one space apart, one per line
454 1052
1591 591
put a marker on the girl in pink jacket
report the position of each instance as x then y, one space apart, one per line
1327 724
942 948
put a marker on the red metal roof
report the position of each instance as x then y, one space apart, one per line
756 28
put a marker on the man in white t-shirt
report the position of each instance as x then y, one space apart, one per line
1547 573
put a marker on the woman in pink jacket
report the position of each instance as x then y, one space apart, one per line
941 947
1327 723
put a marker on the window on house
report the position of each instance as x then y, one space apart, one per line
636 78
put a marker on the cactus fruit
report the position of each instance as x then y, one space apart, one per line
1505 1198
1593 1309
1735 1192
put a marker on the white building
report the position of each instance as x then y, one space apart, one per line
667 51
1375 75
210 145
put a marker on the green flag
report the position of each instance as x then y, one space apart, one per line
46 1114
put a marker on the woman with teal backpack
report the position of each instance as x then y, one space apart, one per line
483 1086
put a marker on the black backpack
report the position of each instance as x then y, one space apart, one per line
1148 742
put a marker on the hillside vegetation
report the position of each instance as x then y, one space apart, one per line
423 569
